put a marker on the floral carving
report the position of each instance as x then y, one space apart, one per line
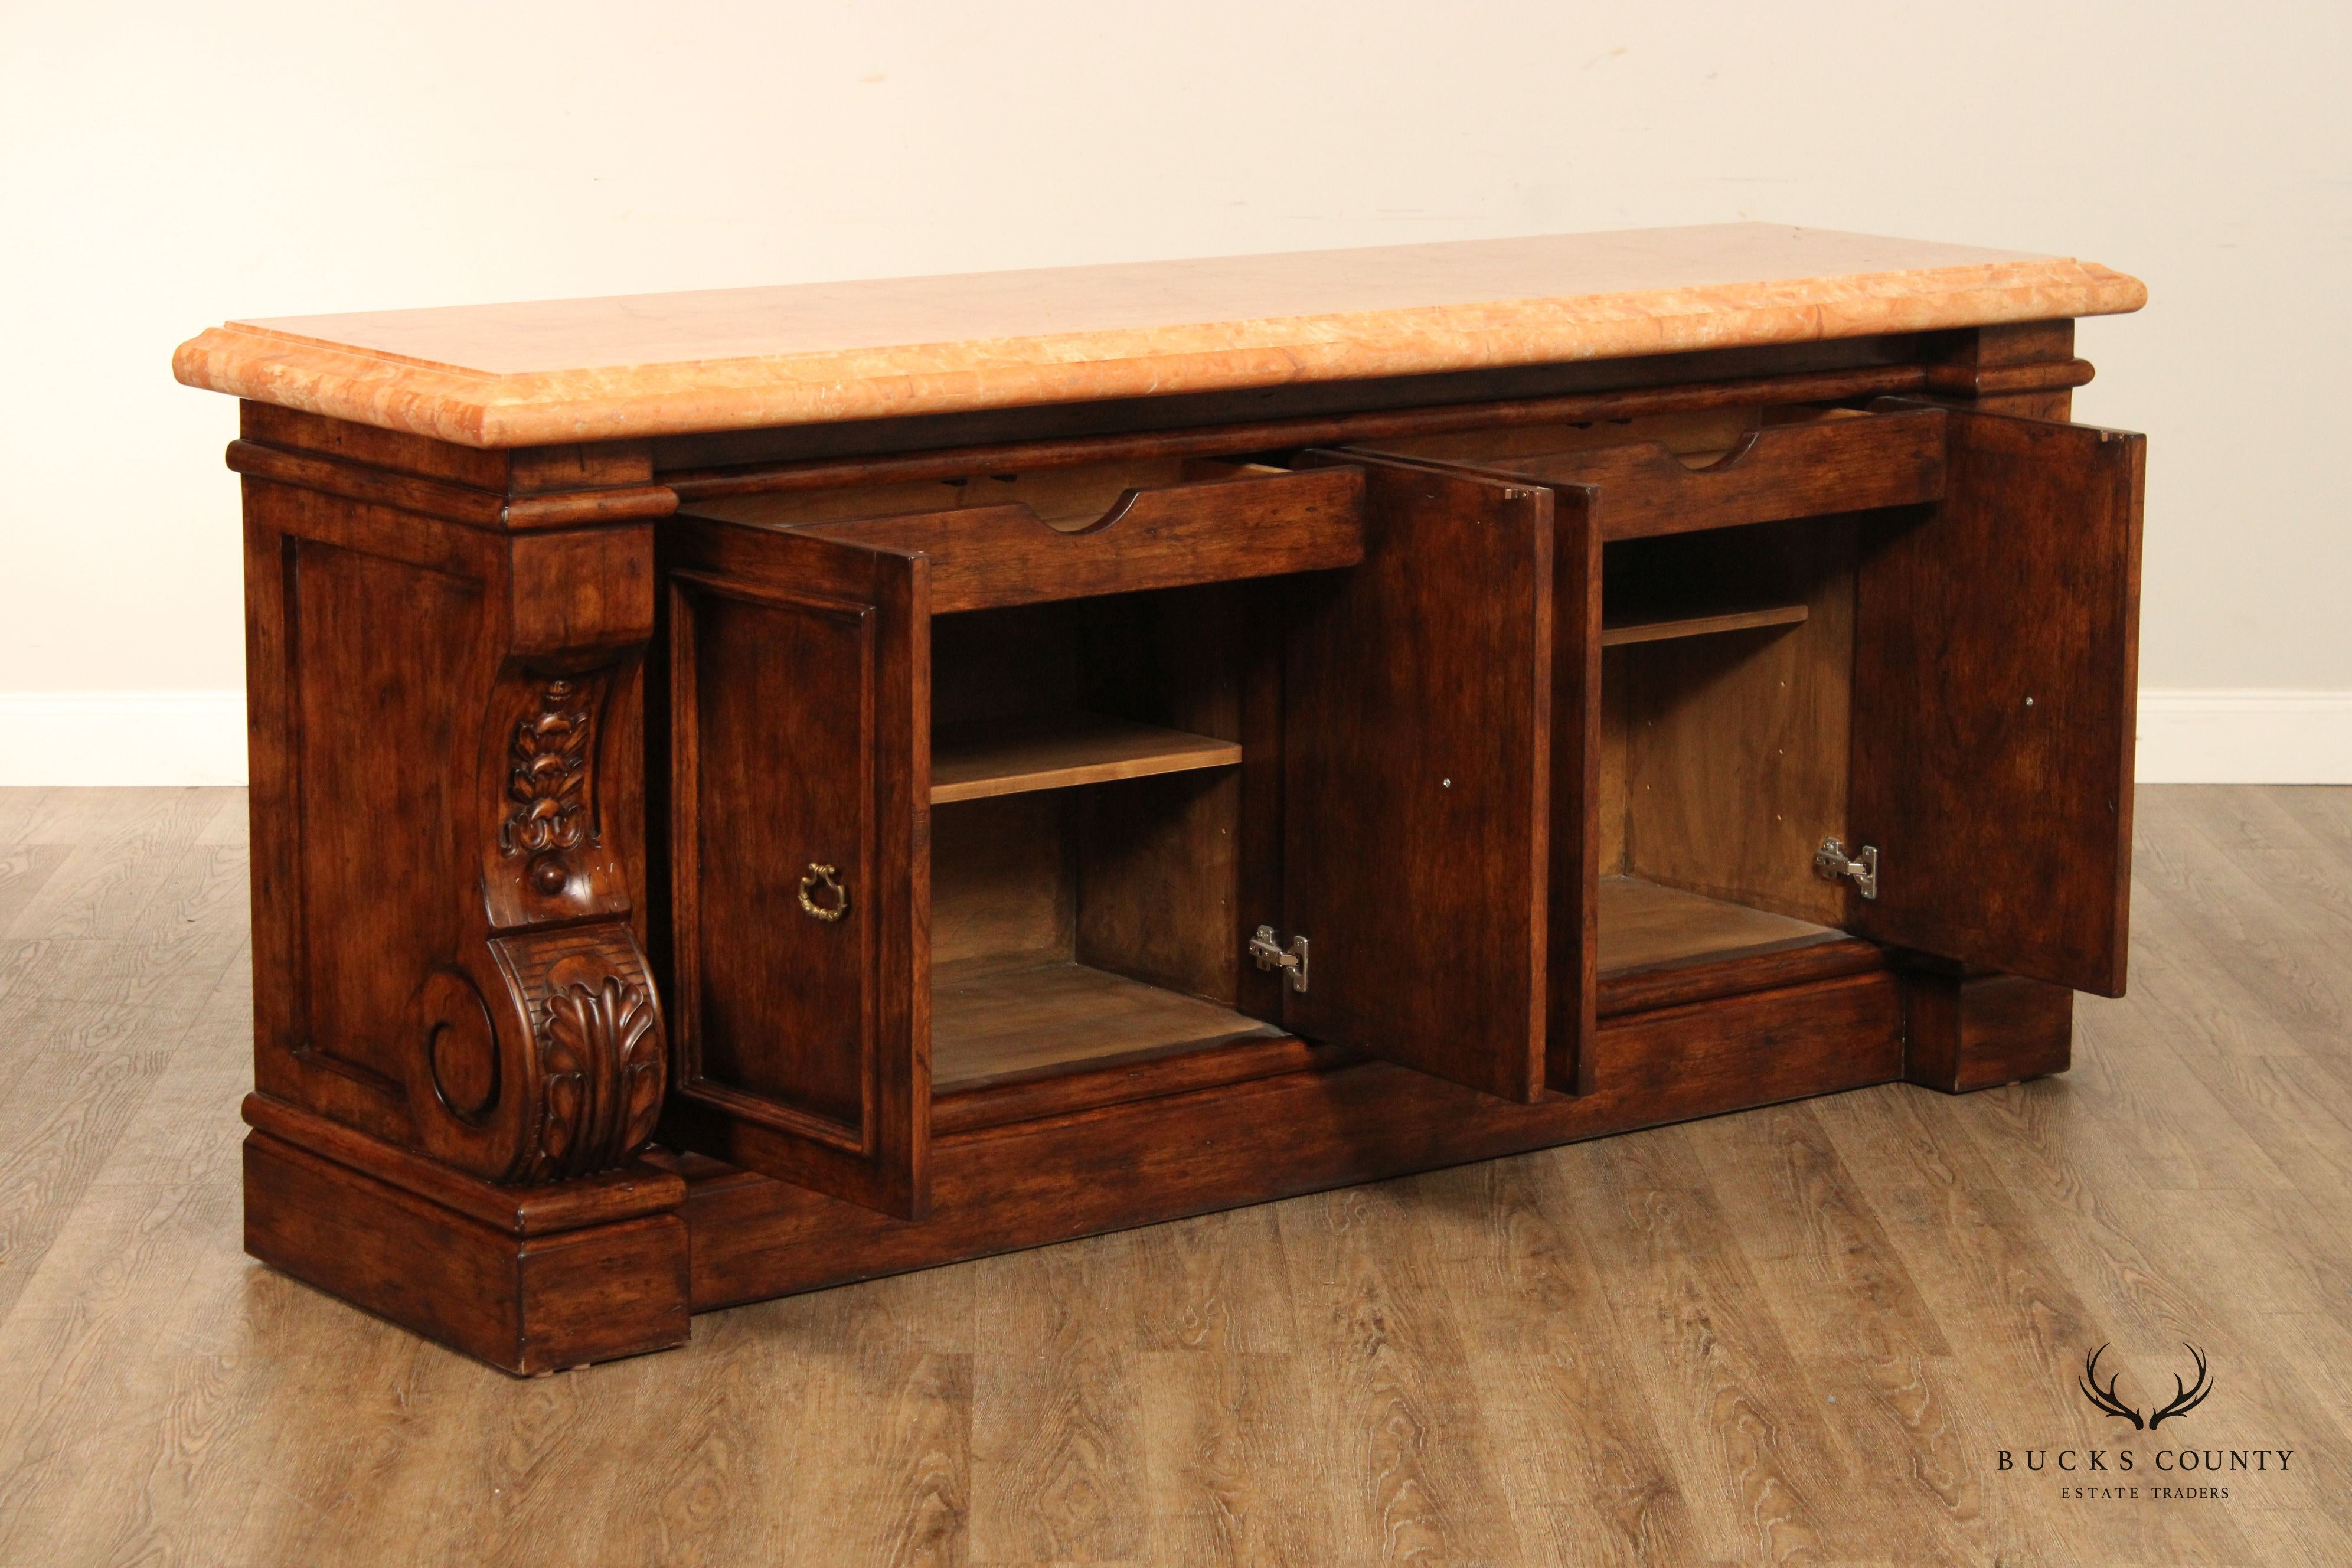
601 1068
548 781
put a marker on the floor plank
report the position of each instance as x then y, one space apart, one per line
1805 1334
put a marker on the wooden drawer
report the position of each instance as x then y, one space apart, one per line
1077 533
1799 463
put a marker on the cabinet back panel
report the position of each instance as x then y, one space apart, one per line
1159 870
1738 743
1140 877
1163 658
1004 889
1003 664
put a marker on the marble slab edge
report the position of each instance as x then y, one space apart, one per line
687 398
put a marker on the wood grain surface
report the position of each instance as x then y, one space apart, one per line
1643 925
1427 669
1658 627
1795 1335
1000 1025
995 759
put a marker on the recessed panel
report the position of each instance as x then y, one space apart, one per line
377 648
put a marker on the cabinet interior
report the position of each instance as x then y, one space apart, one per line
1086 834
1726 688
1088 880
1726 739
1087 790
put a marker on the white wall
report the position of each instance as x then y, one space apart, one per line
165 165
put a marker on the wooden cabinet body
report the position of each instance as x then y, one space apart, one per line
831 849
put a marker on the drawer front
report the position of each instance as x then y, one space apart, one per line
1848 462
1247 524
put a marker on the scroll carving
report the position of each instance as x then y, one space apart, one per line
564 1081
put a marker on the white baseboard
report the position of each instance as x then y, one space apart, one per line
60 738
2252 735
2200 736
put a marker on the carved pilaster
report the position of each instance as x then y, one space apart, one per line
458 1047
545 1058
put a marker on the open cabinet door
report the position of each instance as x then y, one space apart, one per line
799 723
1996 654
1573 974
1416 800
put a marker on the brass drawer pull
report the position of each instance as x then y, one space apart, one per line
820 879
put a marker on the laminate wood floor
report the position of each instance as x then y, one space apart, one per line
1802 1334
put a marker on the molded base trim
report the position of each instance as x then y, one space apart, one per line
524 1303
1001 1189
534 1280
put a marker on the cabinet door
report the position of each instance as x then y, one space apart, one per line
1573 975
799 725
1996 650
1416 799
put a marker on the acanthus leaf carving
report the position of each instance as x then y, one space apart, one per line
602 1061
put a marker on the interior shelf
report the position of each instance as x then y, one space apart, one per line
1646 926
975 762
1660 625
999 1024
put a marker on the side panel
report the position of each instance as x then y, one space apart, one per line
350 606
799 720
1996 657
1417 792
373 639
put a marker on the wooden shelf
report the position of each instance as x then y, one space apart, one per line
1657 626
994 1026
1646 926
981 761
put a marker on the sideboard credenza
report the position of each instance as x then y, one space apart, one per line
769 787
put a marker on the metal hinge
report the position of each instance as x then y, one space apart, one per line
1829 861
1268 950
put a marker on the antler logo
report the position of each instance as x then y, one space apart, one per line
2185 1397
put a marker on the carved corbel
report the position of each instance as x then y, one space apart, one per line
543 1055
